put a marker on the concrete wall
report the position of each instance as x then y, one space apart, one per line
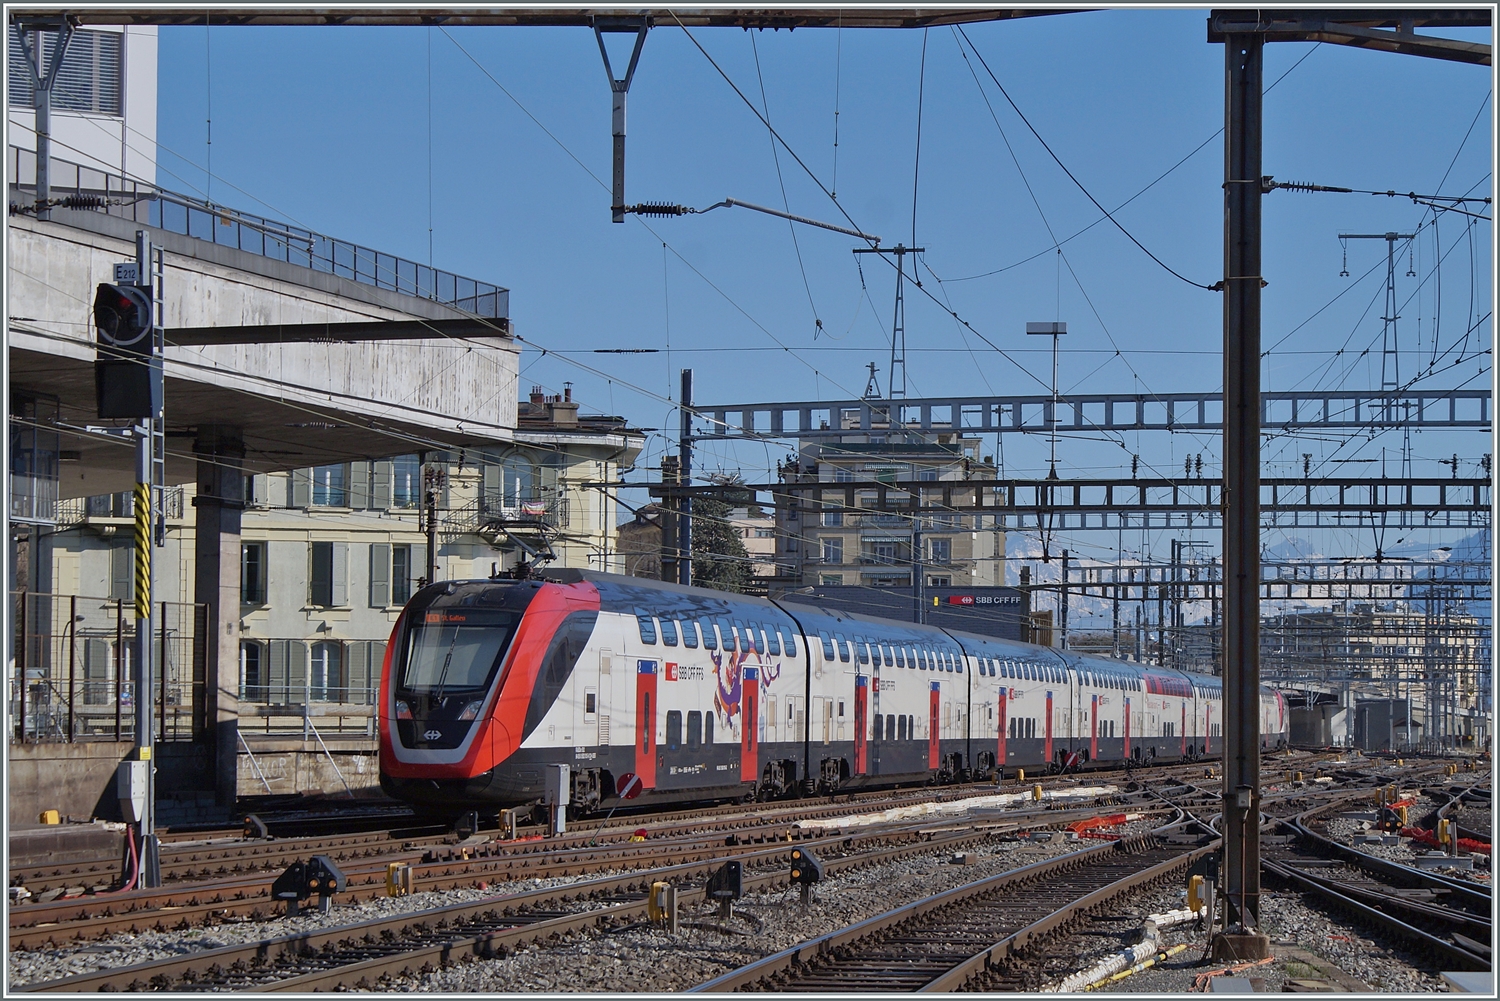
77 780
292 767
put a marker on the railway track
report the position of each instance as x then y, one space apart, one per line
201 856
941 943
1449 918
356 956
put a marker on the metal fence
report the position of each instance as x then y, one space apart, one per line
177 213
74 673
299 686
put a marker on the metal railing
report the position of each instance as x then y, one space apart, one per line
73 677
151 205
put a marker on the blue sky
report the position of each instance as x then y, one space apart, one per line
329 127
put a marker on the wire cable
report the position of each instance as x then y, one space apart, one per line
1071 177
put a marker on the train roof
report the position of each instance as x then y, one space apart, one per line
626 593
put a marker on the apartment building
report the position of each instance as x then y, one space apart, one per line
818 543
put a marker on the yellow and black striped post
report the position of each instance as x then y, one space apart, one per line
142 551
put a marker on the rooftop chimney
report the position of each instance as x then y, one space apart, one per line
537 396
567 392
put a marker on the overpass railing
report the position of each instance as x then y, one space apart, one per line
83 187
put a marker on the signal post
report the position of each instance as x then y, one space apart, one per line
128 384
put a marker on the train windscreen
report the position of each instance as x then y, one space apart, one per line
453 652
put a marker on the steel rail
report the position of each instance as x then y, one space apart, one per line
1450 952
293 947
1473 897
766 971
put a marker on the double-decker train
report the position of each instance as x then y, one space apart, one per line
704 694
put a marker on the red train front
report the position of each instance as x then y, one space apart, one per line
469 673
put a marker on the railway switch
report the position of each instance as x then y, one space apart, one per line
301 880
727 885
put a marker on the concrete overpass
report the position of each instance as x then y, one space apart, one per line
413 374
301 351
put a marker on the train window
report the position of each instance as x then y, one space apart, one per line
788 640
901 727
773 642
900 656
862 649
890 727
746 634
695 728
689 633
828 653
669 631
647 722
708 729
727 635
648 626
710 638
674 730
841 708
843 645
590 703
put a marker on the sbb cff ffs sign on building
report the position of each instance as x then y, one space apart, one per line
127 369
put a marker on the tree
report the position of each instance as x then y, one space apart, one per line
720 560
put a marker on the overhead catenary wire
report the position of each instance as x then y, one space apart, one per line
1071 177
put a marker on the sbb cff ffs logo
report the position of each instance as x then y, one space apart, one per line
127 369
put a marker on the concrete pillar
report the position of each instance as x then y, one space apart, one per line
219 505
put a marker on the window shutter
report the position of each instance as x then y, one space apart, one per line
358 654
301 488
320 573
418 562
380 486
278 679
340 576
380 574
377 667
494 488
122 572
297 678
359 485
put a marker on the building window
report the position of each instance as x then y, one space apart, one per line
252 687
833 550
941 550
330 486
883 552
927 474
406 481
326 682
253 573
831 579
939 581
90 76
843 476
400 574
328 579
832 519
765 533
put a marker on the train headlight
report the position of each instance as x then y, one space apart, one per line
403 711
471 711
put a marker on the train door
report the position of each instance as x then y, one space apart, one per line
934 697
861 723
646 707
1047 731
827 720
796 718
775 729
603 714
1000 725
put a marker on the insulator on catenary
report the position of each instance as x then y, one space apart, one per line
658 209
83 202
1307 186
